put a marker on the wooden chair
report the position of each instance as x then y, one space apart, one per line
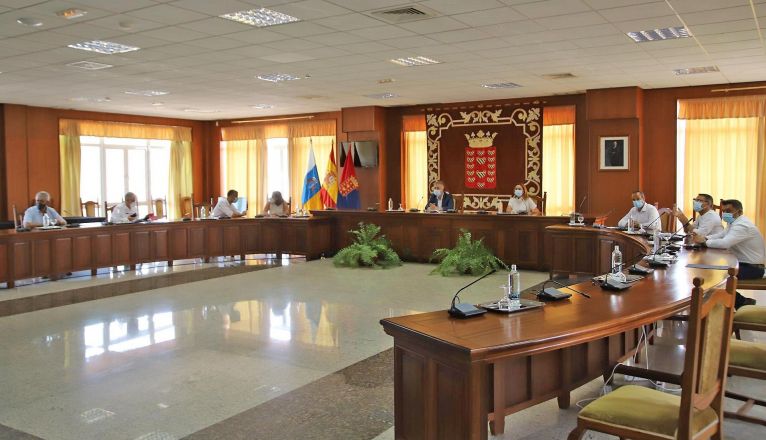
458 198
89 208
186 206
108 209
541 202
668 219
160 208
641 413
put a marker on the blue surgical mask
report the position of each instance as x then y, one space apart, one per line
638 204
518 192
438 192
728 217
697 206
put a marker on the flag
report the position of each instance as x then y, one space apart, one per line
311 185
329 192
348 190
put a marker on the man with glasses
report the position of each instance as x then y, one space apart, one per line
707 223
34 215
744 240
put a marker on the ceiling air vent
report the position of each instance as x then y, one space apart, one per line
404 14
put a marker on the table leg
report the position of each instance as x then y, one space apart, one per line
566 378
497 425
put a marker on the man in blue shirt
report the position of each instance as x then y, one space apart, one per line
33 216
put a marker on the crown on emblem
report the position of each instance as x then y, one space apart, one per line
480 139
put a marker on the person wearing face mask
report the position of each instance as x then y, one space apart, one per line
33 216
643 213
707 223
521 203
743 239
126 211
225 207
439 200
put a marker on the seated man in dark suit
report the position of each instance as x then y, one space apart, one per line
439 200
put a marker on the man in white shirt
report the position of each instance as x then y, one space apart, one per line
707 223
744 240
33 216
225 208
127 211
645 214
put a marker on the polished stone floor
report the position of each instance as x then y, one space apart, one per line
289 352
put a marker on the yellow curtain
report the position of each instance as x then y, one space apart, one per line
725 152
69 152
129 130
722 157
558 168
179 177
416 169
246 171
299 159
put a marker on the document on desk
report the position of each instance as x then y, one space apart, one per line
707 266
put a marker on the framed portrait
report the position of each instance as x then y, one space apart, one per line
614 153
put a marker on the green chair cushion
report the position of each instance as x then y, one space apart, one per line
751 315
644 409
747 354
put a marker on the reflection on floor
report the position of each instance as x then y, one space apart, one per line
240 357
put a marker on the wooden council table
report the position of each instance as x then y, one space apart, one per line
453 376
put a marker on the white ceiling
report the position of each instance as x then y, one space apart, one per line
209 63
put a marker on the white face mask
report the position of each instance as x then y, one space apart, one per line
518 192
438 192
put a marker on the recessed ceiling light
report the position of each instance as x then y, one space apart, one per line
158 104
200 110
146 92
29 21
89 65
261 106
693 70
71 13
386 95
386 81
86 99
669 33
105 47
278 77
260 17
414 61
502 85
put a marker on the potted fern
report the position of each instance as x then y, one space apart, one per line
369 250
468 257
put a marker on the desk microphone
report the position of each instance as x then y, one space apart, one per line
554 294
465 310
581 203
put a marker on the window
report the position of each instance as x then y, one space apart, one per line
277 167
416 169
558 159
112 166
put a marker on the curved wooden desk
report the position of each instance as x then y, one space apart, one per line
453 376
92 246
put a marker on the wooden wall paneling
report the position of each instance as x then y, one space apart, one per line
62 261
561 260
3 196
231 240
16 185
214 240
393 141
614 103
4 267
141 246
22 260
102 250
251 234
43 154
160 248
179 243
360 118
271 242
439 235
121 248
452 392
583 256
197 236
412 387
82 252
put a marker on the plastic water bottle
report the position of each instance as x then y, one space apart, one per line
630 223
202 212
390 204
514 280
616 259
656 241
46 220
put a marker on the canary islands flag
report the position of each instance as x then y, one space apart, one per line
311 185
329 191
348 190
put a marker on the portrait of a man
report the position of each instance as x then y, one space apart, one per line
614 153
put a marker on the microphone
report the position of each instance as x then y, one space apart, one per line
554 294
465 310
581 203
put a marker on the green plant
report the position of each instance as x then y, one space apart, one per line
468 257
369 249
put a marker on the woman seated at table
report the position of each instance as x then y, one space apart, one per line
276 205
521 203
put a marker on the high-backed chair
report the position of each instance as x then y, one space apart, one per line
668 219
160 208
108 209
458 199
89 208
186 206
541 202
642 413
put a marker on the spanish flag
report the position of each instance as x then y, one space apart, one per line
311 185
329 191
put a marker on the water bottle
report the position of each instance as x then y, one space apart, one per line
514 280
390 204
202 212
656 241
46 220
630 223
616 259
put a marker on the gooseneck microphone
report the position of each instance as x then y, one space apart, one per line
465 310
554 293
